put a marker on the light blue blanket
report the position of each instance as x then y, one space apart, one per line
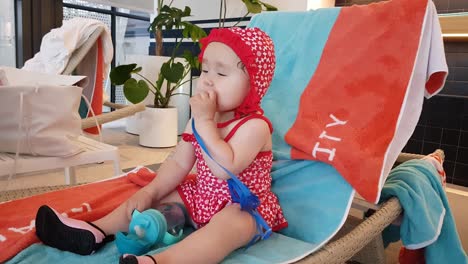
427 219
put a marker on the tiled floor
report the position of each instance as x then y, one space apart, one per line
131 155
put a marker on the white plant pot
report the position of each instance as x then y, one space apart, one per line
132 124
158 127
150 69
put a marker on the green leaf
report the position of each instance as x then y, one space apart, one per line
192 31
188 56
134 91
137 70
172 73
120 74
175 12
169 25
253 6
197 33
187 11
185 32
160 20
269 7
192 60
165 9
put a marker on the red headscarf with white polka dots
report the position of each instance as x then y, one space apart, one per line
256 51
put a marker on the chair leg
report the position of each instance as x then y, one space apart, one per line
70 176
117 170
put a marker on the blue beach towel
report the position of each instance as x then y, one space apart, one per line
427 219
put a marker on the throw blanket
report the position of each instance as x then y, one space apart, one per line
427 222
58 45
350 84
86 202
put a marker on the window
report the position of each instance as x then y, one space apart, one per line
7 34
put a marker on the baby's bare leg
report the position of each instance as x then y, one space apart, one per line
228 230
115 221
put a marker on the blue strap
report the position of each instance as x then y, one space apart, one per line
240 194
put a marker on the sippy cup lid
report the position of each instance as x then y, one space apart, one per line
145 230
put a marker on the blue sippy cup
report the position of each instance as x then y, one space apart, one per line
151 227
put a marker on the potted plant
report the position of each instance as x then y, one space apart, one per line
159 125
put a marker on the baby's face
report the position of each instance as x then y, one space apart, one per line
223 74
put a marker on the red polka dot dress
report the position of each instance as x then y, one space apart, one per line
205 194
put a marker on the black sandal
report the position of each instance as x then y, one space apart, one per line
53 232
132 259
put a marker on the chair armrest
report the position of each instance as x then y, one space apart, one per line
343 249
114 105
108 117
408 156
